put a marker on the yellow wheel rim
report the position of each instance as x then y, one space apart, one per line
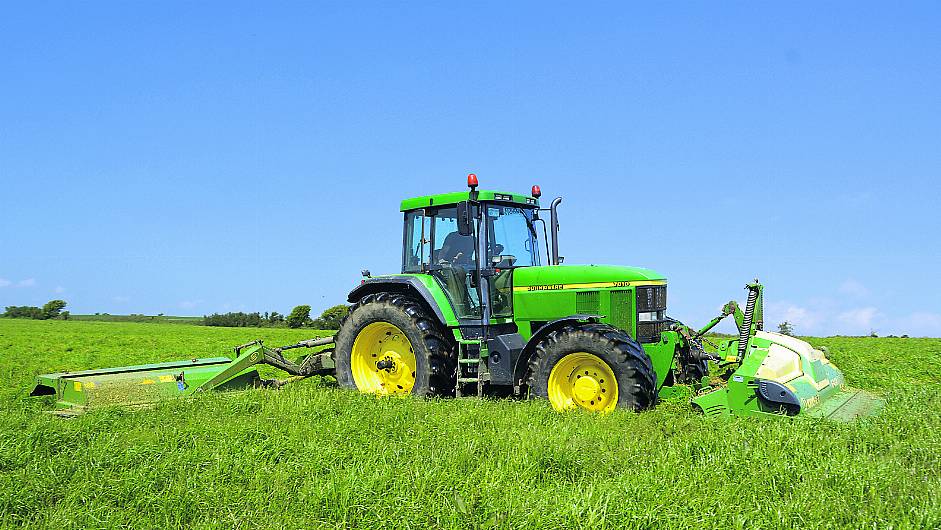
582 380
382 360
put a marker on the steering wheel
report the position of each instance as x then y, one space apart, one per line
500 300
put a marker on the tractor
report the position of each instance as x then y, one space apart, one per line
483 306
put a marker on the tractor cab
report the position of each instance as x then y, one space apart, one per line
471 243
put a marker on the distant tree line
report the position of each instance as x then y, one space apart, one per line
244 320
299 317
53 309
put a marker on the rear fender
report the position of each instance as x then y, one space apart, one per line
424 290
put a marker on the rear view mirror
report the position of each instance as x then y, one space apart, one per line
465 221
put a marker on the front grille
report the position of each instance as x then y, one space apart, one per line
651 298
650 331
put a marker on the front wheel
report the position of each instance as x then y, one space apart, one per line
595 367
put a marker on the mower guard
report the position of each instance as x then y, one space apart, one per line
135 385
783 375
151 383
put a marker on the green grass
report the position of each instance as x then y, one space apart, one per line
155 319
312 456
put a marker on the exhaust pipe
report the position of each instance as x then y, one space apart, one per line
554 227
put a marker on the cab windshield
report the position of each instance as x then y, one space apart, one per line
512 238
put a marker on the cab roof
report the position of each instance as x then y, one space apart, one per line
450 199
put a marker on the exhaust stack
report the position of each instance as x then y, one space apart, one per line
554 228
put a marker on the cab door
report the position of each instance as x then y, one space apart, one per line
454 263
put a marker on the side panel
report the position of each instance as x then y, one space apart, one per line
531 310
534 308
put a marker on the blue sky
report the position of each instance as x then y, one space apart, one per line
188 158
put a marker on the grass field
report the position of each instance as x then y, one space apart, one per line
154 319
312 456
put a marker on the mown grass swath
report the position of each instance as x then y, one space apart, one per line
311 455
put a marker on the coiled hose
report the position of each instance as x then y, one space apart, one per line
745 330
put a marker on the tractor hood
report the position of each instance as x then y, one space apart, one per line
583 276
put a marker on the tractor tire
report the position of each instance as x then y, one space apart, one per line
592 366
389 344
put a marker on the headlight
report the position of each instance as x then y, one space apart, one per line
650 316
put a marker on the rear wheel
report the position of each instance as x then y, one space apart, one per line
595 367
388 344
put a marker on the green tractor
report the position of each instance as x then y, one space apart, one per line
483 306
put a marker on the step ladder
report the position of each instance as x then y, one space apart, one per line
471 371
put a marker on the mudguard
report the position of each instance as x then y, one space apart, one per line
420 286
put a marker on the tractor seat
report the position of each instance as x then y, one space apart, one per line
457 249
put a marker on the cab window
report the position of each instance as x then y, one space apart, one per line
416 249
451 248
512 237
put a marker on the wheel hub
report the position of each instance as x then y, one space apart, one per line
582 380
386 364
586 388
382 360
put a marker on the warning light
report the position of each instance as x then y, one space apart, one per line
472 181
536 191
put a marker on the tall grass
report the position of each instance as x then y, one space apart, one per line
311 455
